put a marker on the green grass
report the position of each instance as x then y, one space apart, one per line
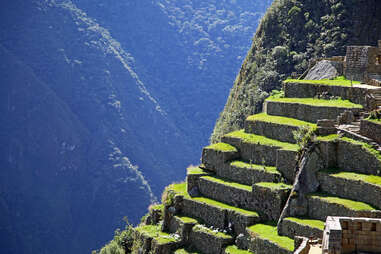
185 251
187 220
156 207
317 102
377 121
222 147
339 81
154 231
274 186
263 117
201 228
308 222
228 183
269 232
371 179
242 164
331 137
192 170
257 139
350 204
233 249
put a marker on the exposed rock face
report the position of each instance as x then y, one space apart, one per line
325 69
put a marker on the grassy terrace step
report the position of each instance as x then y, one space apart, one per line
262 150
258 139
274 127
360 187
212 212
330 82
321 205
306 227
226 191
153 240
208 240
216 155
248 173
265 239
309 109
233 249
318 102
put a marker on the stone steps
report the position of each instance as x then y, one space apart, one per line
265 240
359 187
182 226
274 127
208 240
322 205
306 227
246 173
309 109
258 149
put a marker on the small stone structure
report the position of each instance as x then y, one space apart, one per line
363 63
346 235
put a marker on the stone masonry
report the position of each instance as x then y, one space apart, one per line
347 235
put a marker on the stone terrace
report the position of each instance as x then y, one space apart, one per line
257 190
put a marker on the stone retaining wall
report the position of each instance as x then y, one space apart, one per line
256 153
269 202
209 244
247 176
224 193
286 162
305 112
303 90
213 159
353 157
351 189
219 218
263 246
371 130
320 209
271 130
292 228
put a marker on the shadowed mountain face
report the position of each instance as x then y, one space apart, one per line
102 105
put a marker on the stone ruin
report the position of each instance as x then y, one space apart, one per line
348 235
258 192
363 63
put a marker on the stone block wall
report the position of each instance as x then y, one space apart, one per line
304 112
269 202
271 130
286 162
354 94
347 235
351 189
371 130
361 61
213 159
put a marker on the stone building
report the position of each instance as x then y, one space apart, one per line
363 63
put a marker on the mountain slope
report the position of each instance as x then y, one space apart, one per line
290 33
101 108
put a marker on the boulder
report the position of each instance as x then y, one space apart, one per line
325 69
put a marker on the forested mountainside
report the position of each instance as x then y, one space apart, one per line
102 105
290 33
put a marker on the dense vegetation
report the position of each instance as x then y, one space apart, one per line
292 32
